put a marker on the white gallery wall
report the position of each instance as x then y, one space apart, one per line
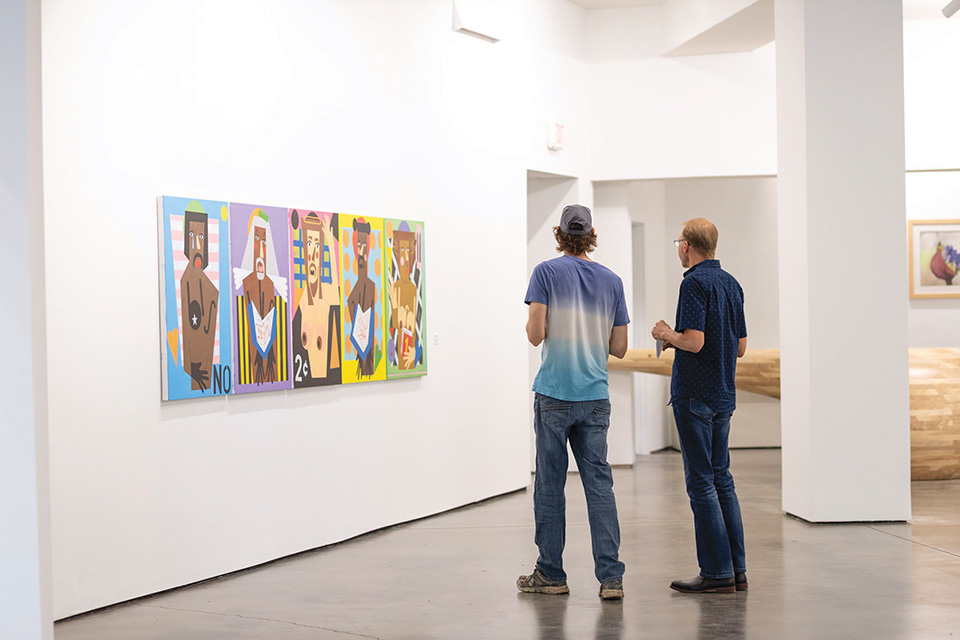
615 251
931 49
686 116
934 196
715 115
25 589
373 108
640 203
555 72
745 212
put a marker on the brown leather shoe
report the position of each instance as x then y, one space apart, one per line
700 584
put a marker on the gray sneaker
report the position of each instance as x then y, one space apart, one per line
536 582
612 589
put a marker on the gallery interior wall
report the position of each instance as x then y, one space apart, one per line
932 132
646 125
933 196
676 117
643 202
25 581
715 115
373 108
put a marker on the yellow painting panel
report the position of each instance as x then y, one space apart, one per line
361 283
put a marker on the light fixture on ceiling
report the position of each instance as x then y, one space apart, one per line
951 8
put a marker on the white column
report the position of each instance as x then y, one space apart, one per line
25 611
843 264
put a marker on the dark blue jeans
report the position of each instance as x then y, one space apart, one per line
585 425
704 437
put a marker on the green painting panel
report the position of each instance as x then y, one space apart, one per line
406 298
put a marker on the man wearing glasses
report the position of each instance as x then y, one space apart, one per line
710 334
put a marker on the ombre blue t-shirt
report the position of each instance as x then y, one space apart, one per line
584 302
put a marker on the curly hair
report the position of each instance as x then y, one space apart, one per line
577 245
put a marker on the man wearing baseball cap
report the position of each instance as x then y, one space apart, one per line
579 313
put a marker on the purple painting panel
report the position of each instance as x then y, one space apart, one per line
260 296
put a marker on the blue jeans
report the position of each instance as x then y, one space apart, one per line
585 425
704 437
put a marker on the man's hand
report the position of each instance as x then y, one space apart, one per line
688 340
662 331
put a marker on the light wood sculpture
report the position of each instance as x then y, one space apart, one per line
934 399
934 414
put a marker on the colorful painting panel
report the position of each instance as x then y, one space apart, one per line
260 288
934 258
361 286
317 348
194 298
405 288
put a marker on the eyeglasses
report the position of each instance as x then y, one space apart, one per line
677 242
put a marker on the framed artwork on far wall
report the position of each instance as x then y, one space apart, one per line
934 258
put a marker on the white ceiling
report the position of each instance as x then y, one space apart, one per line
616 4
912 9
924 9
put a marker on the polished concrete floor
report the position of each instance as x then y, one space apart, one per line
452 576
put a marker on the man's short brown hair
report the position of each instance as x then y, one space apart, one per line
577 245
702 236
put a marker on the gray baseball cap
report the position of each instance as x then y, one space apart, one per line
576 220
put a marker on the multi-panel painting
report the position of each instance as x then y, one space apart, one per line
262 298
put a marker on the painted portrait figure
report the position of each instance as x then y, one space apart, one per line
316 322
200 300
261 310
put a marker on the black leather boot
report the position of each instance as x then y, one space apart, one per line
700 584
741 580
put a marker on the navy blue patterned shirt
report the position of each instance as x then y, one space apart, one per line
711 301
